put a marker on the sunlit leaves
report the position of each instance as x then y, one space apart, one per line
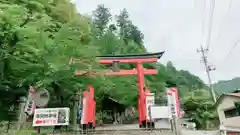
199 109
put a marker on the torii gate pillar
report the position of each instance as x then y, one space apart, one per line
141 98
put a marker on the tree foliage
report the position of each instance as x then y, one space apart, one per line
199 108
39 38
101 18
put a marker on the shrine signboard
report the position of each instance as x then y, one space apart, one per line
149 103
51 117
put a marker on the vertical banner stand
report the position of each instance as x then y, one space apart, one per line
150 101
174 109
88 111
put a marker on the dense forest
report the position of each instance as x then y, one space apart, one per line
38 38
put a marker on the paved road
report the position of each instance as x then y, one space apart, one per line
118 127
132 129
135 126
198 132
142 133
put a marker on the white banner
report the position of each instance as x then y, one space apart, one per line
84 107
149 103
159 112
169 97
174 104
175 91
30 107
51 117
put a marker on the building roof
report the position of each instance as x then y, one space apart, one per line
237 95
136 56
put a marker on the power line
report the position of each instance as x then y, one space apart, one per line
203 18
221 28
229 53
203 52
208 69
224 19
212 8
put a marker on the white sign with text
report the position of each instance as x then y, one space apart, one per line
170 105
51 117
149 102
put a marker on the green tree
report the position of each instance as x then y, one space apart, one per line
200 109
101 18
36 50
38 40
128 31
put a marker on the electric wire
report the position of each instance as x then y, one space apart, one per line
203 51
224 20
230 52
221 27
203 19
220 31
212 9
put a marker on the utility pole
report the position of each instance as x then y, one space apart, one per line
208 68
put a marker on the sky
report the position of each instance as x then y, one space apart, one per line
179 27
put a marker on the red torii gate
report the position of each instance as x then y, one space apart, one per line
139 60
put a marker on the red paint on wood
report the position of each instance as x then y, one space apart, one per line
129 61
120 73
94 113
139 112
91 103
142 108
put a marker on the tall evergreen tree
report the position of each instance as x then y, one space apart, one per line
101 17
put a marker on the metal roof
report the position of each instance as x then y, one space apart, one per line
137 56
